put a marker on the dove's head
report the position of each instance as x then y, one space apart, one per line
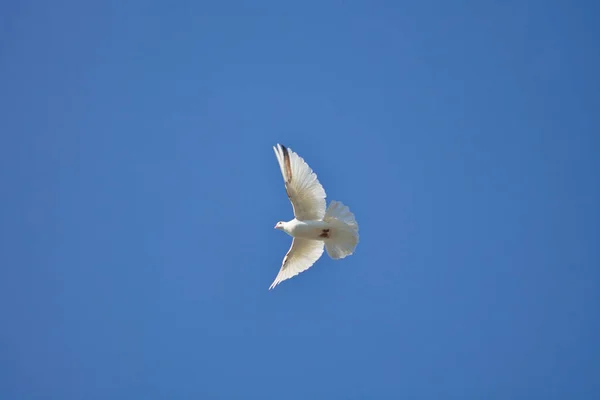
279 225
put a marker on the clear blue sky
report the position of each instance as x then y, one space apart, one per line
139 191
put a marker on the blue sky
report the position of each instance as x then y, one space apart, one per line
140 191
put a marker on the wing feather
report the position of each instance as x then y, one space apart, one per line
301 184
303 253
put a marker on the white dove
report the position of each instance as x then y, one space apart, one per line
313 227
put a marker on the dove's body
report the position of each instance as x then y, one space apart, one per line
306 229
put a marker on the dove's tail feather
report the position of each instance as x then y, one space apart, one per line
343 234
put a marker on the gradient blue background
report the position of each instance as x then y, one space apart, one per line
139 191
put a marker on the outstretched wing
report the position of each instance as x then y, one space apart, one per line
301 184
301 256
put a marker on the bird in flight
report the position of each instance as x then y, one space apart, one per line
313 227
